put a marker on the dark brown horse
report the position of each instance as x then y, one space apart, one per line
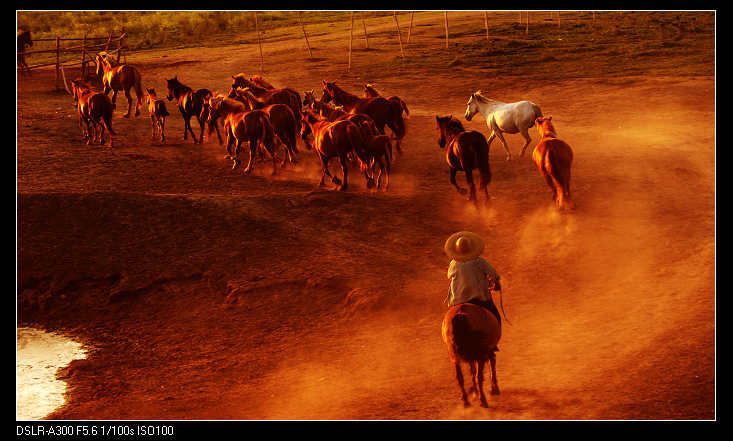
472 334
95 111
464 151
370 91
158 113
252 126
334 140
282 118
383 112
190 104
553 158
327 110
121 77
24 41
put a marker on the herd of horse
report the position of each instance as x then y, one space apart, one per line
350 128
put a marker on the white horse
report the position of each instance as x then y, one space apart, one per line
501 118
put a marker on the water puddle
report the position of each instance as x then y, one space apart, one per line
39 354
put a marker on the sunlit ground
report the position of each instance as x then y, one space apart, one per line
39 355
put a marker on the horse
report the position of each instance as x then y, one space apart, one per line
158 113
325 109
24 41
370 91
225 107
464 151
376 155
553 158
190 104
122 77
517 117
282 119
334 140
259 81
95 108
472 334
382 111
253 126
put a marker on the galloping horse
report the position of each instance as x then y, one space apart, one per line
24 41
553 158
122 77
464 151
370 91
225 106
253 126
158 113
190 104
95 108
472 334
502 117
334 140
282 119
383 112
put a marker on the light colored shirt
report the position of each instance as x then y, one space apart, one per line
468 280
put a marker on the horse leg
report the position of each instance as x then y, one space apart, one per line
525 134
494 384
503 142
129 103
153 124
202 125
345 170
161 122
235 155
455 184
479 380
459 378
190 129
253 145
471 186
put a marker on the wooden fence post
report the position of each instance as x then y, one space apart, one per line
351 37
526 29
399 34
259 42
409 30
300 16
58 53
486 24
119 45
366 36
83 54
445 20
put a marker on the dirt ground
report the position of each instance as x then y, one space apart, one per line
206 294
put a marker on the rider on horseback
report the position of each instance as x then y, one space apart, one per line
471 277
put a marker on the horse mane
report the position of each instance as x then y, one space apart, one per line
547 129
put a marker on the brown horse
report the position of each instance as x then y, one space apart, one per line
259 81
24 41
252 126
158 113
95 110
190 104
282 118
383 112
464 151
472 334
553 158
327 110
122 77
375 158
335 140
370 91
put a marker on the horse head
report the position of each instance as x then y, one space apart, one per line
328 91
471 107
545 126
173 86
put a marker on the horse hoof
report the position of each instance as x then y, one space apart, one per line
463 191
127 115
484 403
495 391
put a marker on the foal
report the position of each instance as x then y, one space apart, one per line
158 113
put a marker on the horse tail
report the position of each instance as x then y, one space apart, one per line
107 118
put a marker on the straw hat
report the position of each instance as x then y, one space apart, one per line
463 246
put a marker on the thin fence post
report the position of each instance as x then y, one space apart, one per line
109 40
486 24
558 19
119 45
366 36
351 37
399 34
409 30
445 20
83 54
58 54
259 42
526 29
300 16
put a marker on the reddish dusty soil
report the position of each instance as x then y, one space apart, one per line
208 294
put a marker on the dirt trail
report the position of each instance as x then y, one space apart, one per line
212 295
